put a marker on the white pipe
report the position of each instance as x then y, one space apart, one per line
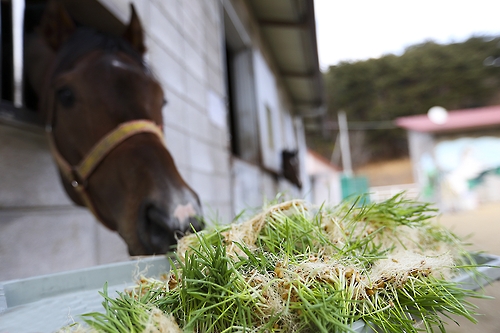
17 49
344 144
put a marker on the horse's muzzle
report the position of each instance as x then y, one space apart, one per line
158 231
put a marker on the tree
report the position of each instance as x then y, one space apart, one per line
453 76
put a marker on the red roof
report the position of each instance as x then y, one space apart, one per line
323 160
457 120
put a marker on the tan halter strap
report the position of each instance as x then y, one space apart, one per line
78 175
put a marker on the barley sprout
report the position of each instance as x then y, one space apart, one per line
296 268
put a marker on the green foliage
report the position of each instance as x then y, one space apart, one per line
453 76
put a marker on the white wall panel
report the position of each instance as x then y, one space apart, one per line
40 242
194 62
166 33
197 123
28 176
171 8
247 186
201 156
269 109
195 90
167 69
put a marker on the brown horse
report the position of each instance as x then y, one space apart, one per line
103 111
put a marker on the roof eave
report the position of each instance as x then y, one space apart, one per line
291 36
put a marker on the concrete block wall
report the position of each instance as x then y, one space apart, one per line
41 231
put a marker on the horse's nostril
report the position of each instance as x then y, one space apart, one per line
159 231
155 215
157 234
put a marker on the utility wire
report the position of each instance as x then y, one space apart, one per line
362 125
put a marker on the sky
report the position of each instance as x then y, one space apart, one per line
352 30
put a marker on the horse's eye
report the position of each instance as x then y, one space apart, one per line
66 97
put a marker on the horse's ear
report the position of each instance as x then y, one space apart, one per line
134 33
56 24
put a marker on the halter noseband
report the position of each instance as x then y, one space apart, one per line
78 175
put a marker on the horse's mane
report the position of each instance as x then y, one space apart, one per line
85 40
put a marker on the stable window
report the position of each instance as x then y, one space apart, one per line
18 20
245 143
270 129
11 69
6 79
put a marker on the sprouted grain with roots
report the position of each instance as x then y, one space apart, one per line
294 268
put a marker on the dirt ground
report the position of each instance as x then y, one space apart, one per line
482 225
393 172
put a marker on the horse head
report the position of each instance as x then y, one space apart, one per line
103 111
290 166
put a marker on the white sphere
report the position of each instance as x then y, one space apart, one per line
438 115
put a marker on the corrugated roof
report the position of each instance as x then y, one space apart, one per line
464 119
290 31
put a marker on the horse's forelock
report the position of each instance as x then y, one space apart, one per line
86 40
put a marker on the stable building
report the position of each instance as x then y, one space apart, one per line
238 75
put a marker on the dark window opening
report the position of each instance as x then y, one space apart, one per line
235 147
84 12
240 80
6 71
32 15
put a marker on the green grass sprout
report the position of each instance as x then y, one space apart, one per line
298 268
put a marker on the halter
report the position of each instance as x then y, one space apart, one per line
78 175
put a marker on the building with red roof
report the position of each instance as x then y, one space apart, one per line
457 120
456 160
324 180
